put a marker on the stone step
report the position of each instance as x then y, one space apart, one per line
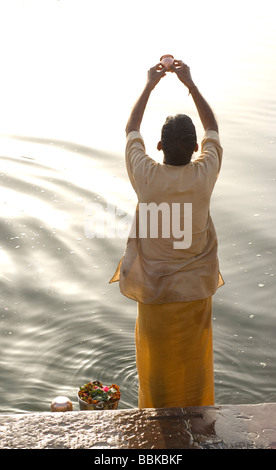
210 427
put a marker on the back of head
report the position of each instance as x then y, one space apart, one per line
178 138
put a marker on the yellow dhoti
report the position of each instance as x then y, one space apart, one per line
174 354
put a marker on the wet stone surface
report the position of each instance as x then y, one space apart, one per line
218 427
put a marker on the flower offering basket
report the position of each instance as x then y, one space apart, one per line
95 396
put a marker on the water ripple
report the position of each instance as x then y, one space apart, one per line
62 324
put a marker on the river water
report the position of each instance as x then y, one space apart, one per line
62 154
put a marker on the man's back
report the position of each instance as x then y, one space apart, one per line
162 269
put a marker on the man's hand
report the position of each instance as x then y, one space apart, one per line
155 74
183 72
205 112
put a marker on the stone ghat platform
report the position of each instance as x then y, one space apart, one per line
212 427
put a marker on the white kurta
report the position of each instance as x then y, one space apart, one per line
152 270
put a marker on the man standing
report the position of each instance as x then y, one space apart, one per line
173 284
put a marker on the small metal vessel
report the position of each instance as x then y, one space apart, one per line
167 60
97 406
61 403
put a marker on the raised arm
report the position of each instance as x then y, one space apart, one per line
137 113
205 112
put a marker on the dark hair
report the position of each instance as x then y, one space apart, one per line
178 138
